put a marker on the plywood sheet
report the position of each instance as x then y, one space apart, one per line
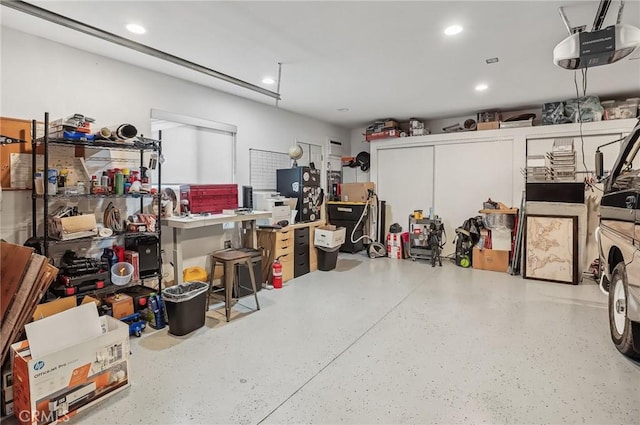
14 261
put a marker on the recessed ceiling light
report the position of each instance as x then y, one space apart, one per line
342 109
136 29
453 30
268 80
481 87
492 60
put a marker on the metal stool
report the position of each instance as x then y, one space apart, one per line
230 259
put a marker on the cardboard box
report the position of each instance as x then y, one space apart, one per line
121 305
391 124
329 236
133 258
54 307
491 125
355 192
59 383
490 259
385 134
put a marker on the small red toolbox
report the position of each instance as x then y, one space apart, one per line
209 198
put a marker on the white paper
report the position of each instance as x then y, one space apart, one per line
63 330
20 170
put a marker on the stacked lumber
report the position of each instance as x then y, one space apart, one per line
24 279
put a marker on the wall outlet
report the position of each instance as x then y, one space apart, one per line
227 244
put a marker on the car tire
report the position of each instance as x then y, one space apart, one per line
619 323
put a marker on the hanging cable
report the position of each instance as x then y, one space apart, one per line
575 82
376 249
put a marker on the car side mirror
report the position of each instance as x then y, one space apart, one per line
599 164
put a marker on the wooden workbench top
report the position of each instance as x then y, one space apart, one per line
294 226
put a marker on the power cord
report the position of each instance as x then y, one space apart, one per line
584 91
376 249
111 218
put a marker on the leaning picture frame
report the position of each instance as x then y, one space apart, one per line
551 248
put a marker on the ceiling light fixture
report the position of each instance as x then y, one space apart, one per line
268 80
136 29
481 87
491 60
453 30
342 109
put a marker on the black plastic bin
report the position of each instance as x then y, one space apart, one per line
186 306
327 258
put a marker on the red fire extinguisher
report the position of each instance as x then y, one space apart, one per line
276 274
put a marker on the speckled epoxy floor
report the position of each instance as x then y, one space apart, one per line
387 341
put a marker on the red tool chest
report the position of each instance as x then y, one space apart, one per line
209 198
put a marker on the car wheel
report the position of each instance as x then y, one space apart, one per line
619 323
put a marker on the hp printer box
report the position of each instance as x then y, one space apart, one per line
56 386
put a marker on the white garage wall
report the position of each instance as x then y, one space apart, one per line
38 75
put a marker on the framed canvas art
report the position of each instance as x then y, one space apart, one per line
551 248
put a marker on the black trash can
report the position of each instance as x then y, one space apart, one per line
186 306
327 258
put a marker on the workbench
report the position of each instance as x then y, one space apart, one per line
179 224
293 245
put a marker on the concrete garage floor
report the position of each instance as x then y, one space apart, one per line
388 341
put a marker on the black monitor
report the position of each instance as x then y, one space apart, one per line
247 197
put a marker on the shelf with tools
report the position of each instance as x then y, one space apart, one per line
126 233
93 239
97 196
142 143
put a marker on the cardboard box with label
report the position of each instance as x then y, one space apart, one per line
490 259
329 236
58 372
355 192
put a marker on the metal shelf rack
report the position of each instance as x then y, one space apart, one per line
142 145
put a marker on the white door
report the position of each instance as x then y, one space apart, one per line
405 182
467 174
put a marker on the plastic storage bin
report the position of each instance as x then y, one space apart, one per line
121 273
186 306
327 258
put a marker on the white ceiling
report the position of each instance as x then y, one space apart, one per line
379 59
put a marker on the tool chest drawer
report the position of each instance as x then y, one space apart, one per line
302 236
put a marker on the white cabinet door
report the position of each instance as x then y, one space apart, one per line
466 175
405 182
